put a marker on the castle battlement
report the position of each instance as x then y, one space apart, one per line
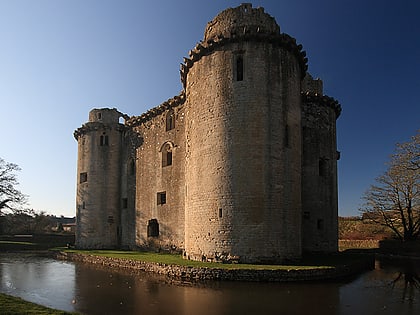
240 166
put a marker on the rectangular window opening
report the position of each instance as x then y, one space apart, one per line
103 140
220 212
124 203
83 177
161 198
286 136
239 68
320 224
322 167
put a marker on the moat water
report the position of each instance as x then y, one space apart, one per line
389 289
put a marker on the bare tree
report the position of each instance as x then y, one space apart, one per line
10 198
395 200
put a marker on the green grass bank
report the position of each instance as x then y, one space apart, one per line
10 305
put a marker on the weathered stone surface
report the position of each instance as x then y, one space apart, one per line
240 166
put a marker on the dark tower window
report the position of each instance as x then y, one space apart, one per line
124 203
161 198
239 68
83 177
99 116
152 228
103 141
220 212
166 155
170 120
320 224
322 167
131 167
286 136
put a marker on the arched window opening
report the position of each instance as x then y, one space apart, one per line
153 228
166 155
239 68
170 120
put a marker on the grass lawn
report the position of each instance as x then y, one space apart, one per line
10 305
313 262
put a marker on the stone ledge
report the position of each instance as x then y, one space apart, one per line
186 273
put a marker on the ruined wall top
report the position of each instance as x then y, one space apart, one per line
105 115
241 20
309 84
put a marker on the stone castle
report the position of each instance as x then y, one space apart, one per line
241 165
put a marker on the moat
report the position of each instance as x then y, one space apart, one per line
391 288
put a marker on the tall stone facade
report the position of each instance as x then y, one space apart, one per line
240 166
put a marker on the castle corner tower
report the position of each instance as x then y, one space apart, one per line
99 180
243 150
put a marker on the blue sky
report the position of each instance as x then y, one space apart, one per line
60 59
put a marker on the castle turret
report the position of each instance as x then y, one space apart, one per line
319 166
243 140
98 199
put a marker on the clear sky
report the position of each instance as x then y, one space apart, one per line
60 59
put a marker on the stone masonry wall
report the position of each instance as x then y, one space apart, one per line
98 186
243 180
319 185
154 177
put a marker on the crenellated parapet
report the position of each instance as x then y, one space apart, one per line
242 24
323 100
158 110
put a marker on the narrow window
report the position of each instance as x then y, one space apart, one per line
83 177
170 120
286 136
132 167
322 167
169 158
239 68
124 203
99 116
161 198
103 141
320 224
153 228
84 205
166 155
220 212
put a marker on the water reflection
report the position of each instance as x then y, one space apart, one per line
406 279
40 280
92 290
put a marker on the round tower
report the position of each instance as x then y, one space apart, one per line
319 168
243 140
99 180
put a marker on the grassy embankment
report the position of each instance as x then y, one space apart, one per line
309 262
10 305
33 242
